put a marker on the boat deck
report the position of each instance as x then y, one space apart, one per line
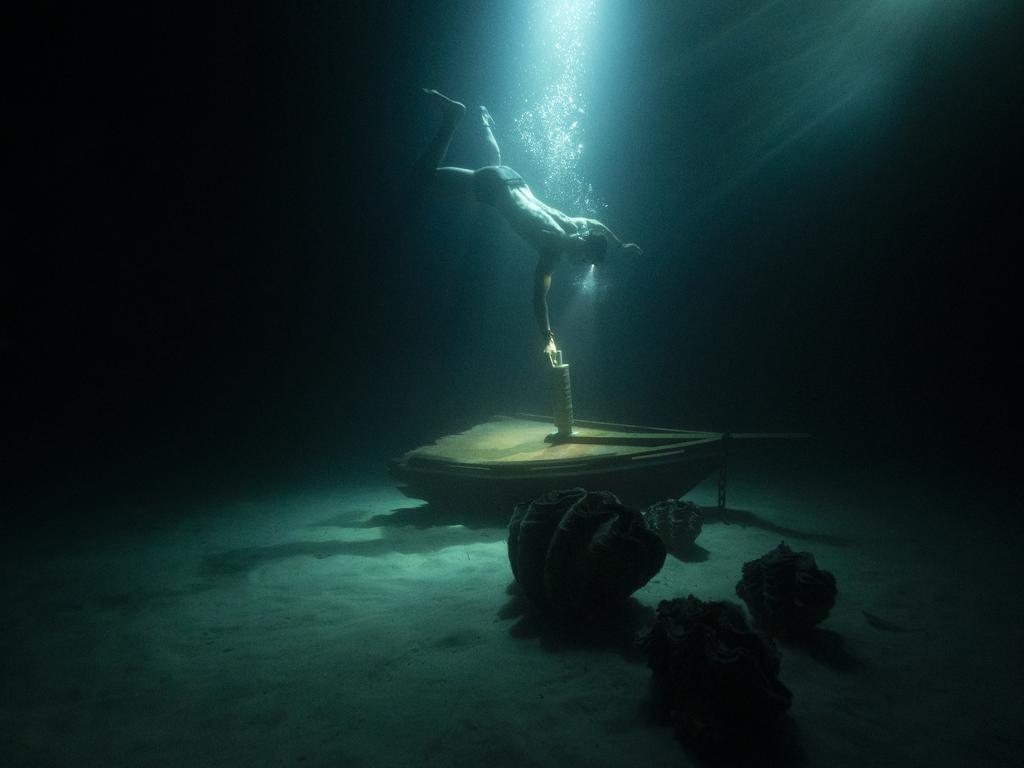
508 458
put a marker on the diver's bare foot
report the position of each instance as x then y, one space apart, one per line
450 109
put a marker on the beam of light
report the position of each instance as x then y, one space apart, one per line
579 316
589 293
785 73
551 128
588 282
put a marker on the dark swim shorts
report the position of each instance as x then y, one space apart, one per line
490 182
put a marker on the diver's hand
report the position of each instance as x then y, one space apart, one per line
550 347
632 249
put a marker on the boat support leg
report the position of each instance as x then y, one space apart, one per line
723 475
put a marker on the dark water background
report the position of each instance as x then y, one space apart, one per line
215 282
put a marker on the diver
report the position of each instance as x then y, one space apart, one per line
550 232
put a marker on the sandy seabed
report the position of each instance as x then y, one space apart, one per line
340 627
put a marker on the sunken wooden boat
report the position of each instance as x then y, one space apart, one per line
510 459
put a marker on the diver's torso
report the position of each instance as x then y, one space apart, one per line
542 226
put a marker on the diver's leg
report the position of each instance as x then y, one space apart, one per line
488 122
426 172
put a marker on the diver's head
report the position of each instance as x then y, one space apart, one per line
589 248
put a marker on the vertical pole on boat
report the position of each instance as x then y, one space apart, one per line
561 398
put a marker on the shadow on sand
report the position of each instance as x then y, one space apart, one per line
824 646
426 516
777 747
691 553
397 540
744 519
407 530
614 631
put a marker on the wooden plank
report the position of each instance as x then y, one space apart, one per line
517 441
614 426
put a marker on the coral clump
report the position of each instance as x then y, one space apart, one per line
785 591
714 675
677 522
577 552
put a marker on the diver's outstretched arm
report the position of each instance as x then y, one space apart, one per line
541 285
596 226
489 125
